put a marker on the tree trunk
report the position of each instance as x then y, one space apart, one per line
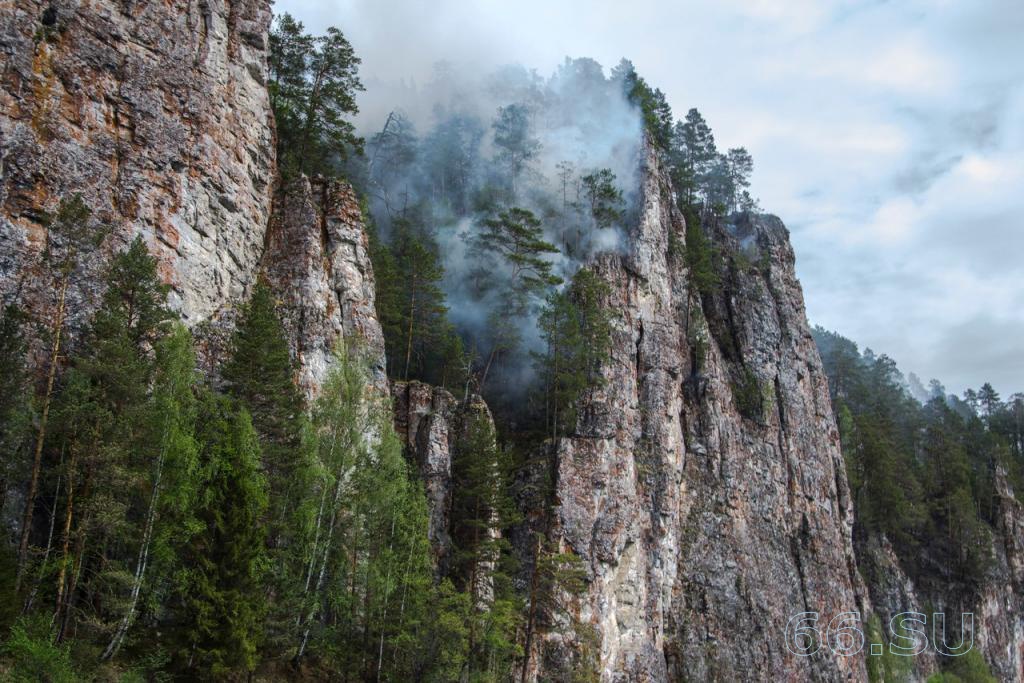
46 556
532 616
408 344
69 510
33 485
142 561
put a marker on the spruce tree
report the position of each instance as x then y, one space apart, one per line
221 603
260 374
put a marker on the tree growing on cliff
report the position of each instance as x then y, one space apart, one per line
313 83
514 243
604 199
576 328
481 557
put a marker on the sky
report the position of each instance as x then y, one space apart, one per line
888 136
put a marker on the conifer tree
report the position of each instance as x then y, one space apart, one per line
313 84
604 199
69 234
481 508
14 389
514 238
576 328
221 604
103 412
172 482
260 374
422 310
515 141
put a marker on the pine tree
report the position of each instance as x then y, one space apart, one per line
514 237
576 327
102 414
604 199
313 84
422 310
515 142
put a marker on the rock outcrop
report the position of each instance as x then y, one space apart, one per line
995 601
430 423
704 486
317 262
158 114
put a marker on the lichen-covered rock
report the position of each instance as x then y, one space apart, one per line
158 114
707 520
317 262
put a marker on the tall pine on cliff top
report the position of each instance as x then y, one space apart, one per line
313 84
513 243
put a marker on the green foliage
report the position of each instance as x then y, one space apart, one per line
921 474
221 592
887 667
515 239
31 654
261 375
419 340
514 140
748 395
968 668
699 172
481 562
576 327
313 83
604 199
657 113
700 255
15 408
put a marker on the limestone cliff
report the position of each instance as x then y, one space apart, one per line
317 261
703 487
430 423
705 523
158 114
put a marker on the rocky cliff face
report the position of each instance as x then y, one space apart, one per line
996 604
317 261
158 114
430 423
704 487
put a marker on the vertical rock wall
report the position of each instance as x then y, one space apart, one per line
705 525
317 262
158 114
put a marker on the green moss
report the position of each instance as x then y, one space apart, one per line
748 395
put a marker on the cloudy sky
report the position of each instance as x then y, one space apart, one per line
889 136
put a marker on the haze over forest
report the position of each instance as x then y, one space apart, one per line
901 193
